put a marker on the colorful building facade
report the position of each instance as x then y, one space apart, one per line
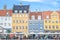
23 21
35 22
51 21
6 18
20 19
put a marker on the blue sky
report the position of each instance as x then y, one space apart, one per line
40 5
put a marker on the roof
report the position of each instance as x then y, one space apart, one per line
18 7
36 14
48 13
59 14
4 12
21 7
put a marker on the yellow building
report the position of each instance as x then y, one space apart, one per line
20 19
51 22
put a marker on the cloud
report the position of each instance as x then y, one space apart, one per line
33 0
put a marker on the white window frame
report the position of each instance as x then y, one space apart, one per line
15 11
47 17
39 17
7 13
25 11
32 17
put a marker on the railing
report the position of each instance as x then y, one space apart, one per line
29 39
30 33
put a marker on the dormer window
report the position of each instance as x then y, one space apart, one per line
24 11
39 17
7 14
15 11
47 17
20 11
33 17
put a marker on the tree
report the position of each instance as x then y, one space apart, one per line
8 30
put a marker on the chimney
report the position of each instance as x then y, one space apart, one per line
5 7
20 3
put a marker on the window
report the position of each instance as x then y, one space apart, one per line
54 16
26 21
20 11
16 21
46 21
36 28
56 27
47 17
39 17
33 17
9 24
1 23
20 27
56 21
15 11
52 21
22 21
1 18
5 18
13 21
26 27
16 27
53 27
46 27
49 21
7 14
24 11
49 27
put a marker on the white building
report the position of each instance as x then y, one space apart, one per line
6 18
